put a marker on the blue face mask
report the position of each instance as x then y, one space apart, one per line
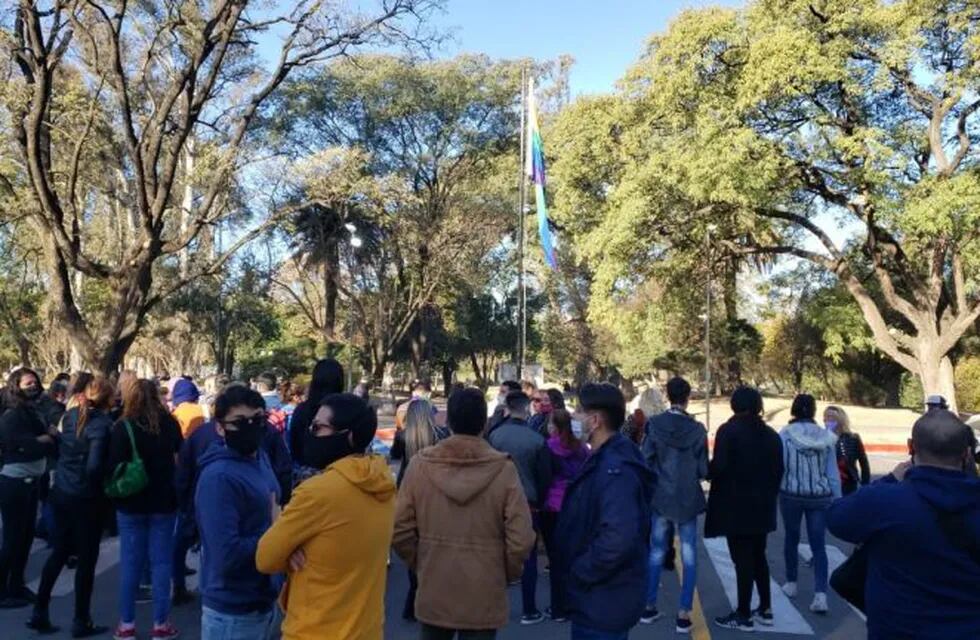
832 426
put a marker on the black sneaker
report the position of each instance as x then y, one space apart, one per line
144 595
684 625
551 615
650 615
42 624
735 621
87 629
763 617
534 618
182 597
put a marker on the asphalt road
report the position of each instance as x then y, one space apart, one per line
793 618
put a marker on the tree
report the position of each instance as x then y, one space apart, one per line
433 140
140 114
798 117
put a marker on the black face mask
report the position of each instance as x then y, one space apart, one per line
322 451
31 393
248 437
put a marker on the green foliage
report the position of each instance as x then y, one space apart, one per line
968 384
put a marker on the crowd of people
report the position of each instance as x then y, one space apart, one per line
295 517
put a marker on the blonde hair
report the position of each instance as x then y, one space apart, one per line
420 426
843 422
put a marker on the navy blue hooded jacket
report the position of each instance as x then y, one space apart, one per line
604 543
234 508
191 452
920 585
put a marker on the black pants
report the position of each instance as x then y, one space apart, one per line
408 613
436 633
549 531
18 508
751 567
78 528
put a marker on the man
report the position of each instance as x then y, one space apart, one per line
334 535
921 530
676 449
529 451
186 409
500 411
236 501
463 525
603 548
188 471
265 384
541 409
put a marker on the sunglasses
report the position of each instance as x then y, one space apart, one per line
244 423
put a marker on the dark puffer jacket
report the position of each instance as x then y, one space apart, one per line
604 543
82 459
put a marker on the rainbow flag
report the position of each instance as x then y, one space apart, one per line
535 171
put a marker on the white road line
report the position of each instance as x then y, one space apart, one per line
835 558
786 617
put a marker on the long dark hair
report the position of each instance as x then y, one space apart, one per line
328 377
14 398
141 403
562 420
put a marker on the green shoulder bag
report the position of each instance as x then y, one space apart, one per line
128 478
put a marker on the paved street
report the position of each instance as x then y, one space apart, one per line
793 618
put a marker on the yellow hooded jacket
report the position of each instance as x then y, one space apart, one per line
342 519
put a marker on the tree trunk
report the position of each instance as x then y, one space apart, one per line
730 298
936 376
331 269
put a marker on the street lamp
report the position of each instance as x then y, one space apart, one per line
711 228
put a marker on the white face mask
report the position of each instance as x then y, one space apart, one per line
577 428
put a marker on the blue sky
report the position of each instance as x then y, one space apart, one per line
604 36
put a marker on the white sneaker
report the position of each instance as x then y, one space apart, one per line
819 604
790 589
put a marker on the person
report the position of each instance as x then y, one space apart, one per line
676 448
420 432
528 387
463 525
605 524
850 450
745 472
50 407
188 413
146 519
530 453
568 456
811 481
421 390
328 378
541 409
499 414
79 504
920 528
236 501
188 470
333 537
25 445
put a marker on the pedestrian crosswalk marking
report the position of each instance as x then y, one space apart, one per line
786 618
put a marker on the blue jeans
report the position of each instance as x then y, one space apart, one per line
584 633
243 626
793 510
688 531
142 535
529 579
184 537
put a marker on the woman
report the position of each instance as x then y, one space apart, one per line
25 445
568 455
146 519
78 501
850 450
745 475
420 432
328 377
810 484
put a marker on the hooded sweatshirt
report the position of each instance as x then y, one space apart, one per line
464 526
810 462
920 584
189 414
342 519
565 465
676 448
233 503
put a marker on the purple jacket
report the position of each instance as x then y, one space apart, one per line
565 465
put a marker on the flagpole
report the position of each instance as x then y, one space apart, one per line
522 196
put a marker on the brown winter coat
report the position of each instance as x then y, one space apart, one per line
463 525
